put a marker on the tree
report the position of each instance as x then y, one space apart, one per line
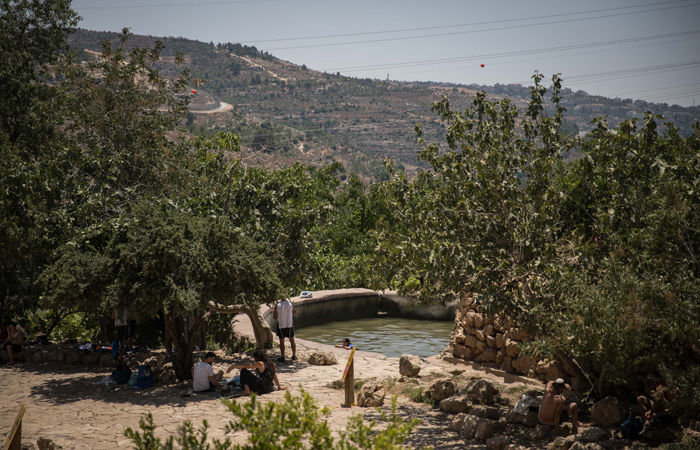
165 261
32 40
485 217
597 257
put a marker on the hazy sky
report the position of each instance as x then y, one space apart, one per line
616 48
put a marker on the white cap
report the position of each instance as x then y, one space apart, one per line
559 381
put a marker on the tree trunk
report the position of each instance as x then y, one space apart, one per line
263 333
182 336
571 365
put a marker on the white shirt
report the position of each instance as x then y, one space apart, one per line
284 314
200 378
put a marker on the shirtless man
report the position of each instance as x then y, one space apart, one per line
556 408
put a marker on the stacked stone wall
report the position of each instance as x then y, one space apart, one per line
497 339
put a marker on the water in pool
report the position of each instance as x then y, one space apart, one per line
390 336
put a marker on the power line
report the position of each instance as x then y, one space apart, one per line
404 30
473 31
508 54
170 5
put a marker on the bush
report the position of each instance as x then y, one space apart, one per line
297 423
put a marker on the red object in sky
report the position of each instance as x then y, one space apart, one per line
482 65
194 91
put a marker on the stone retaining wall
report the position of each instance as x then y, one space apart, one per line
497 339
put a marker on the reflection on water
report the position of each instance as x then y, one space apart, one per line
390 336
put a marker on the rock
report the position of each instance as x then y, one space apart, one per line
609 412
322 359
487 428
488 355
480 335
457 423
337 384
500 340
512 348
371 395
485 412
593 434
441 389
530 419
525 364
74 357
91 359
497 442
106 360
491 341
27 445
166 375
39 356
469 427
478 320
47 444
483 392
57 355
462 352
409 365
583 446
489 330
456 404
562 443
542 432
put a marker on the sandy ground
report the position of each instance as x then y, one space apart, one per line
64 406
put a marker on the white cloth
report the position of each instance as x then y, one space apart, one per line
200 378
120 321
284 314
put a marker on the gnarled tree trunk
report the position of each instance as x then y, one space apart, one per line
262 331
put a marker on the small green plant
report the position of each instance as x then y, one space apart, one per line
295 424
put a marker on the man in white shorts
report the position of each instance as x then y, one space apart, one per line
284 314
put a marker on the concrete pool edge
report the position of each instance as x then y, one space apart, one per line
345 304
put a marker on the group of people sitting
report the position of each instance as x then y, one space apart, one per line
257 377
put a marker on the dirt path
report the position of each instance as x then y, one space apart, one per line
64 406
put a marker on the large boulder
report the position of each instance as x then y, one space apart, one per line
497 442
609 412
456 404
409 366
441 389
465 425
371 394
487 428
485 412
322 359
585 446
483 392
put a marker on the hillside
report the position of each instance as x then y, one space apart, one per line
295 113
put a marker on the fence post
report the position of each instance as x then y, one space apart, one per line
14 437
349 378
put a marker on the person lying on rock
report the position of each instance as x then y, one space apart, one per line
258 377
556 408
346 344
203 377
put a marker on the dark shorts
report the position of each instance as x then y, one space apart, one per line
15 348
285 332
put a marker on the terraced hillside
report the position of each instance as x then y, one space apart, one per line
297 114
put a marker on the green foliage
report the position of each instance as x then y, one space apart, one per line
598 257
297 423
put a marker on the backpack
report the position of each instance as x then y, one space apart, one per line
631 427
121 373
144 378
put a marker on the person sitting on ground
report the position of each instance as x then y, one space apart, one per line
346 344
656 406
13 342
261 378
203 377
556 408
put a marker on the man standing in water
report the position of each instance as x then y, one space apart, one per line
284 314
